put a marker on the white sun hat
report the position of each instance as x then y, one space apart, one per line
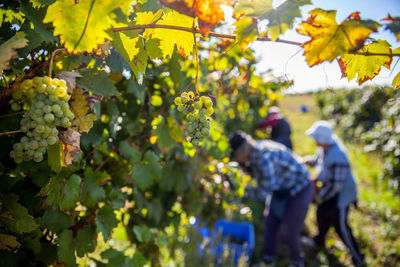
322 132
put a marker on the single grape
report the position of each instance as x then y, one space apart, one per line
180 108
18 147
209 104
34 144
49 117
202 111
15 106
195 142
197 105
190 95
51 140
53 98
210 111
61 92
178 101
47 109
51 89
55 108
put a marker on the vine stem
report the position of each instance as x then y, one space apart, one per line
11 132
196 56
11 114
52 58
232 36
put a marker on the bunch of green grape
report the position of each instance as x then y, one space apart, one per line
46 104
198 111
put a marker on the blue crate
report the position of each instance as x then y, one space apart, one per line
241 232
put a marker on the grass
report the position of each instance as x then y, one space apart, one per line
376 221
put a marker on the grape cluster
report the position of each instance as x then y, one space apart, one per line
47 107
197 110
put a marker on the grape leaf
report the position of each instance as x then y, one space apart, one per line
82 25
367 67
71 192
66 251
143 233
139 90
393 25
152 49
8 49
246 31
132 154
209 12
143 18
8 242
97 83
170 38
14 216
330 39
92 192
56 221
71 140
11 16
282 18
85 241
36 16
148 171
106 221
84 118
55 157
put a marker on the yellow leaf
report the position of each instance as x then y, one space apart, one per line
396 81
367 67
246 31
8 49
84 118
330 39
82 25
153 139
170 38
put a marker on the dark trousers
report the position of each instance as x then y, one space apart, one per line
291 223
328 214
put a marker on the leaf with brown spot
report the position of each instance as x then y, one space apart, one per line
72 140
8 49
329 39
366 67
84 117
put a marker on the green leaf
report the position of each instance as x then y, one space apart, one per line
142 232
106 221
92 192
173 177
366 67
36 17
8 242
56 221
98 83
282 18
66 251
117 258
139 90
8 49
82 25
85 241
330 39
55 157
393 25
14 216
71 192
132 154
138 259
153 50
147 172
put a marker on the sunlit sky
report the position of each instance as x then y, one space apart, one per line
284 61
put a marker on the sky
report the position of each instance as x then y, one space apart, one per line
284 61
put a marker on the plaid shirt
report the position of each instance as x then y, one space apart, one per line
276 169
332 172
